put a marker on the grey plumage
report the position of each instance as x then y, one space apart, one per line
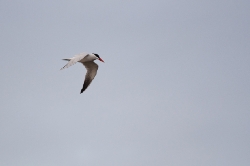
88 61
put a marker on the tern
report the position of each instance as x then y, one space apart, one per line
88 61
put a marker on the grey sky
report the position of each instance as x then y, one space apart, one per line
174 88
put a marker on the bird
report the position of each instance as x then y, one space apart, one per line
88 61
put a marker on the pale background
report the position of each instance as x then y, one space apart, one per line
174 89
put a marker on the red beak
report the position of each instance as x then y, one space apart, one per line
100 59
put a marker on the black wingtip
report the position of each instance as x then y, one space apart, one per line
81 91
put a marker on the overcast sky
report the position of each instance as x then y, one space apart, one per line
174 89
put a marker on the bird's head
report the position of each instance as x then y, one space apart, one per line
98 57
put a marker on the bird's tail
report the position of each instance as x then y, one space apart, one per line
66 59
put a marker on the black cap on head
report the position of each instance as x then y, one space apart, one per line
96 55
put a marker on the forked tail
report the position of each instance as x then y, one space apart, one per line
68 59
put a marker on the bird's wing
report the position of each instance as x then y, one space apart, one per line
92 68
75 59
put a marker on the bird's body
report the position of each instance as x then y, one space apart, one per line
88 61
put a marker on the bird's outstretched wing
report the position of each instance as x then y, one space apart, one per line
92 68
75 59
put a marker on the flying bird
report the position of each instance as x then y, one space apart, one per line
88 61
